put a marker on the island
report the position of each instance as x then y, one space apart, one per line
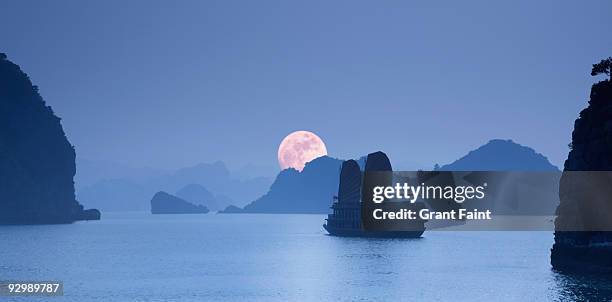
164 203
583 229
37 162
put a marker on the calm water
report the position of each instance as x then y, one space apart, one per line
141 257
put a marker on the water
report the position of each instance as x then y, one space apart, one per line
143 257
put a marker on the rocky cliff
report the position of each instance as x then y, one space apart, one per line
164 203
578 246
37 163
310 191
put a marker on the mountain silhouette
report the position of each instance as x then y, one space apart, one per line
309 191
501 155
90 172
133 193
37 162
164 203
312 190
198 194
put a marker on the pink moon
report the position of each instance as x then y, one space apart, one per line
298 148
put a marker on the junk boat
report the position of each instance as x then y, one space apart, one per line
346 217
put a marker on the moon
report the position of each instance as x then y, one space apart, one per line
298 148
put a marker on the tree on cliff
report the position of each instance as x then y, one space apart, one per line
582 225
603 67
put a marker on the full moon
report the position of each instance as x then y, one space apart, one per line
298 148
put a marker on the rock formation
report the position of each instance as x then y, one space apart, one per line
578 246
164 203
134 193
37 163
198 194
501 155
231 209
310 191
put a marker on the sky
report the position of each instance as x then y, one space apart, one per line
168 84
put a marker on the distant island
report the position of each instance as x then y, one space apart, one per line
198 194
210 184
37 162
311 191
164 203
501 155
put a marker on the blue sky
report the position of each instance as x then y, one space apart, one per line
172 83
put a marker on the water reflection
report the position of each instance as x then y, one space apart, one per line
574 287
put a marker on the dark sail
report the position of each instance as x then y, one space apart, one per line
377 173
349 190
378 161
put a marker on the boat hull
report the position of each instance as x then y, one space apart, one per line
361 233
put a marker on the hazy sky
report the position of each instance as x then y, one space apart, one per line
173 83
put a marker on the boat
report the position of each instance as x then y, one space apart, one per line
345 219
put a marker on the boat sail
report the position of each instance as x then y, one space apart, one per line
345 220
